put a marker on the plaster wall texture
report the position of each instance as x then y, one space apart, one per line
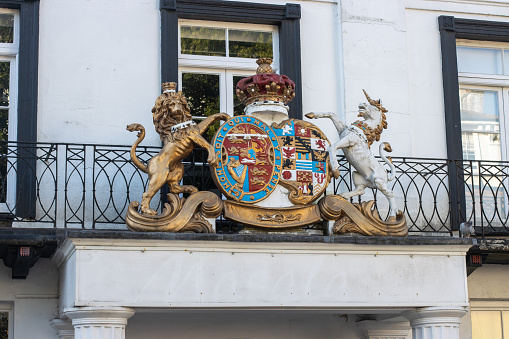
375 59
95 78
253 325
95 81
305 276
33 301
487 289
489 282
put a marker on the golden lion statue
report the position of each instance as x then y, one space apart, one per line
179 133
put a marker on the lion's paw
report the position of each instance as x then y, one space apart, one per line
148 211
213 162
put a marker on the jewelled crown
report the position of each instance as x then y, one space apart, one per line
265 85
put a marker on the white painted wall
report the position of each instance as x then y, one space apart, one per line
198 274
99 67
33 301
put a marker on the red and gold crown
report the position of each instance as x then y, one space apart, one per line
265 85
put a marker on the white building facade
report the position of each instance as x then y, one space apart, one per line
74 74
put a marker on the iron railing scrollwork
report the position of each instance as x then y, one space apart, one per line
91 186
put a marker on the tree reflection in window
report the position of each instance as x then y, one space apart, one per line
202 93
209 41
249 44
4 325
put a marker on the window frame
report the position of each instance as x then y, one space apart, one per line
26 133
227 62
453 29
285 17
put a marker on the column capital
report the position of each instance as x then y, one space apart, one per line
385 329
99 315
436 322
64 328
436 315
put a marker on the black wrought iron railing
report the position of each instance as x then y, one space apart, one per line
91 186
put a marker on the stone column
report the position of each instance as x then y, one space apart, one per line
436 322
385 329
99 322
64 328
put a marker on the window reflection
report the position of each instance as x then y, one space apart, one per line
249 44
6 28
202 41
480 125
202 93
479 60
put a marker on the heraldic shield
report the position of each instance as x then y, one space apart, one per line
305 158
250 159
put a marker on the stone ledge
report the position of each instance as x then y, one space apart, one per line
31 236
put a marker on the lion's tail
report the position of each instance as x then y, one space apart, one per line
141 136
386 147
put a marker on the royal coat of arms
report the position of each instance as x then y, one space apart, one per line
270 168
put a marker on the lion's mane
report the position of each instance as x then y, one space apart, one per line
165 116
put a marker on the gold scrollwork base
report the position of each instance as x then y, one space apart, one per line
360 218
179 214
272 218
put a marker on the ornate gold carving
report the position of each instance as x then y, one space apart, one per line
360 218
278 217
272 88
258 171
264 66
288 93
253 89
171 110
275 218
179 214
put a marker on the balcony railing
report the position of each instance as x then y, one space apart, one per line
90 186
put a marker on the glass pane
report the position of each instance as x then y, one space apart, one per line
486 324
4 83
202 41
238 106
481 146
202 93
4 325
6 28
506 62
250 44
479 60
480 124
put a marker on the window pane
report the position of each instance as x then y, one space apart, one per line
506 61
481 146
249 44
486 324
202 41
4 325
480 124
202 93
4 83
6 28
479 60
